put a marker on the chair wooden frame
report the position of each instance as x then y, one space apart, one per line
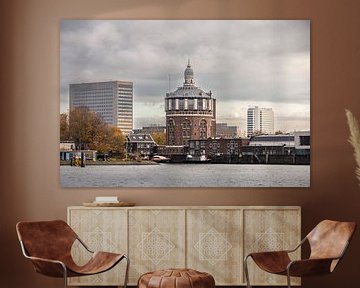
58 268
316 264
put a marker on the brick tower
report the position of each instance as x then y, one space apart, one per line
190 112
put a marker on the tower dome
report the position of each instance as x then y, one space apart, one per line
189 74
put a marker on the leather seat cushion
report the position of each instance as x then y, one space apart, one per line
176 278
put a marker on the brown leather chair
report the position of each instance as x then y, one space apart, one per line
48 245
328 242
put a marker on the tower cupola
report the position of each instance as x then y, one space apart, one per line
189 75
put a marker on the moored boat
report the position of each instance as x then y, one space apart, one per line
197 159
160 159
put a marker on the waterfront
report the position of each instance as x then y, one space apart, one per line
186 175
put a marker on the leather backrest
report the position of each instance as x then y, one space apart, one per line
329 238
47 239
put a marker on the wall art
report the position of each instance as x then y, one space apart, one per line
185 103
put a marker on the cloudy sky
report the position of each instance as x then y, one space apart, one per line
244 63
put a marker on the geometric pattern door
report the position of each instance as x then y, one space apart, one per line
214 241
156 240
100 230
271 230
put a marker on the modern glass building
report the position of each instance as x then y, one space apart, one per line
112 100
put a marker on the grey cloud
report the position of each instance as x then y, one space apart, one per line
238 60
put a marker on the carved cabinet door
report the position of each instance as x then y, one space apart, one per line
214 244
101 230
156 240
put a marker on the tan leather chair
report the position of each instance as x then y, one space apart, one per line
48 245
328 242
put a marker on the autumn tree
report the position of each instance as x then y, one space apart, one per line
64 127
89 131
159 138
116 141
84 127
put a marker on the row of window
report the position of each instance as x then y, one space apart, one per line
92 94
215 145
123 105
192 113
228 152
92 102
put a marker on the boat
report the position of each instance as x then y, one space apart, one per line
160 159
197 159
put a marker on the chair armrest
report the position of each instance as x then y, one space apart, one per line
45 260
268 253
298 246
280 251
271 261
309 267
48 267
84 245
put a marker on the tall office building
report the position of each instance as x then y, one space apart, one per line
190 112
112 100
260 120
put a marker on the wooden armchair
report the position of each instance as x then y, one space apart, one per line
48 245
328 242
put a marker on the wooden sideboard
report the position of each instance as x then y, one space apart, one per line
211 239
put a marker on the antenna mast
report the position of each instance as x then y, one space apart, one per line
169 83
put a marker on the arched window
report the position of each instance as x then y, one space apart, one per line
203 129
186 131
170 131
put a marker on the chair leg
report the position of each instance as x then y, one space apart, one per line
65 275
127 271
246 272
288 278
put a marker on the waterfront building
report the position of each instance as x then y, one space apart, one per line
217 147
171 151
260 120
302 139
68 155
112 100
190 112
273 140
296 143
67 145
142 144
298 139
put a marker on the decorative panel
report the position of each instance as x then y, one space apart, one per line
214 241
100 230
269 230
156 240
209 239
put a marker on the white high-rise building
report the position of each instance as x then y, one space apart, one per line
112 100
260 120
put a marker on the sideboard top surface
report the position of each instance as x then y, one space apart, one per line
192 207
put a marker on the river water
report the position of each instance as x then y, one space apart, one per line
186 175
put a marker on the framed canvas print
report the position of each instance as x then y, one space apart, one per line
185 103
